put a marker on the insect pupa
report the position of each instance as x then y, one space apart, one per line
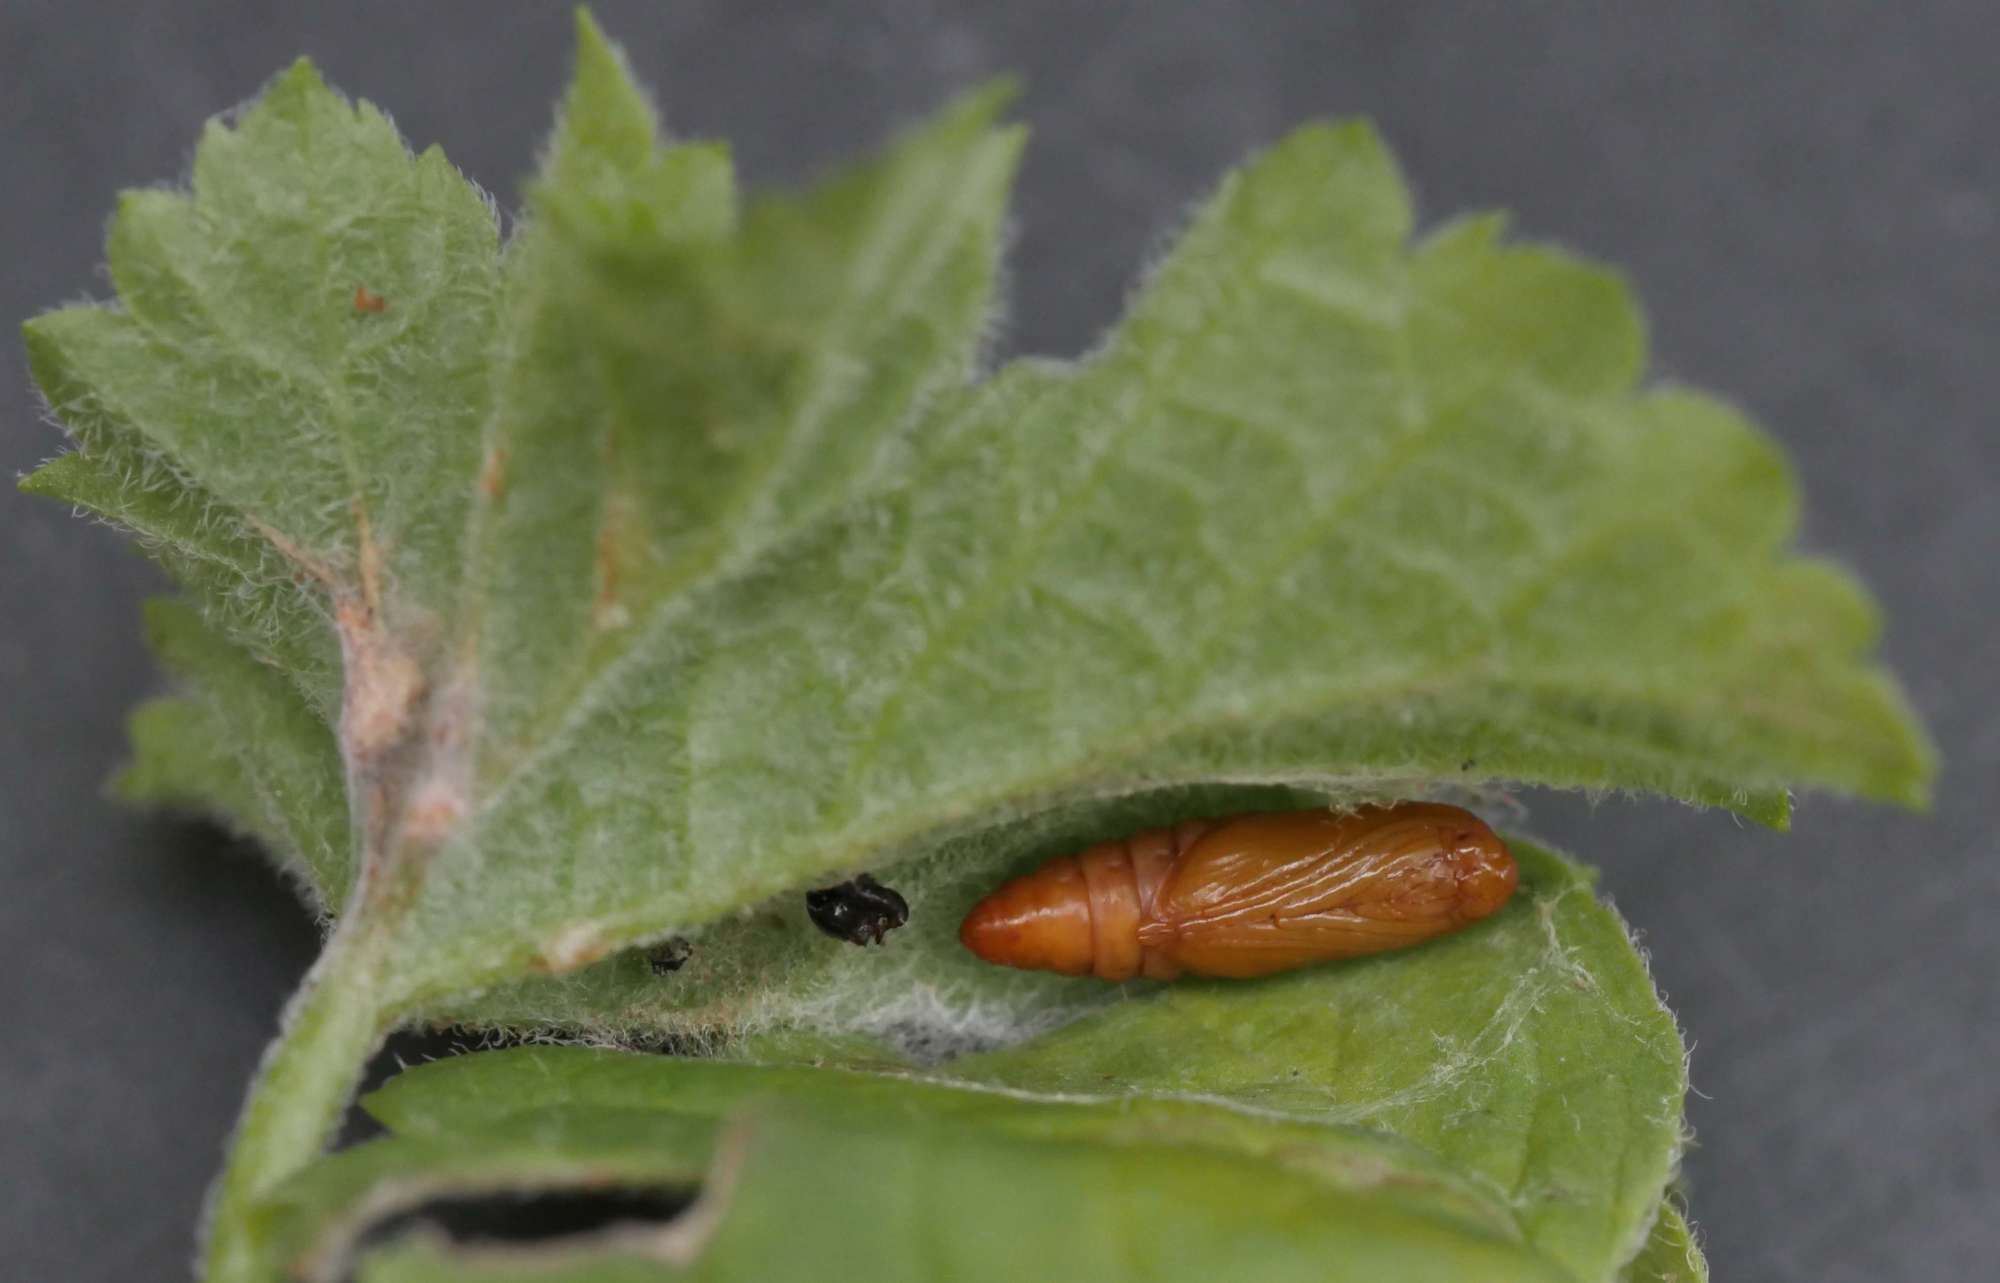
1248 895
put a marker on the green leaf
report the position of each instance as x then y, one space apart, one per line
938 1203
954 1182
182 759
686 391
729 583
628 578
244 587
1070 594
238 356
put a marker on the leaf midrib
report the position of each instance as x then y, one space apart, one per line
953 816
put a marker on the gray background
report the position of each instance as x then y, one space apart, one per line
1808 198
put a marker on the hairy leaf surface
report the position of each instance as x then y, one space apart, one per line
1002 1202
1670 1255
673 561
1518 1082
547 595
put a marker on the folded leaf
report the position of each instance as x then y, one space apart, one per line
947 1182
1529 1053
1504 1103
935 1203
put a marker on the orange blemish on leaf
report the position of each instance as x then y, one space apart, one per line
434 812
493 473
383 683
575 946
365 301
607 610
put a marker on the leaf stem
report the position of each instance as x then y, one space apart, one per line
331 1027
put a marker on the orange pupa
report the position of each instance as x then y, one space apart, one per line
1249 895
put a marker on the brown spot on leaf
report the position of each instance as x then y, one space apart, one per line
383 683
364 301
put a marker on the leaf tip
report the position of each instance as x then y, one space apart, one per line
51 480
1351 135
601 77
1342 165
983 104
594 49
1912 782
291 90
301 76
37 333
43 340
981 111
604 112
1481 232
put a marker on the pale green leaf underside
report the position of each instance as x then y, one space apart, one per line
722 581
256 729
576 1105
674 555
1257 538
1521 1074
